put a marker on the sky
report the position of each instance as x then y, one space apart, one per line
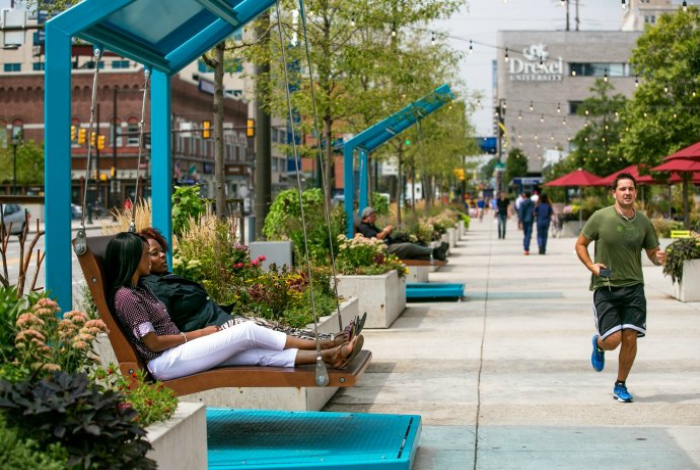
483 18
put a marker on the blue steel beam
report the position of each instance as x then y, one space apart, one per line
370 139
161 163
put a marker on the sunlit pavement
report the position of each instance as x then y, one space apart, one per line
503 379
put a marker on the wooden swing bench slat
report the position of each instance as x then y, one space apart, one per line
92 265
423 262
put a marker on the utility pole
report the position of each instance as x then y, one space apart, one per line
501 112
97 152
113 189
263 145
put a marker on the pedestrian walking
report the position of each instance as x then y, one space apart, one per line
526 213
502 212
480 206
543 217
620 234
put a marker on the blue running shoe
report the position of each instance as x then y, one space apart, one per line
597 356
621 394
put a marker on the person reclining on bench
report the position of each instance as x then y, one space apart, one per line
170 353
190 307
402 250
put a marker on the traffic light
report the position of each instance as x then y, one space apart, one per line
100 142
92 139
206 130
250 128
112 172
72 133
81 136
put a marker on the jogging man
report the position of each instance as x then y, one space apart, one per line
620 233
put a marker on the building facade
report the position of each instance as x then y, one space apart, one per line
646 12
543 80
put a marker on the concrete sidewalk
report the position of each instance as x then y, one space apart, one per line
503 379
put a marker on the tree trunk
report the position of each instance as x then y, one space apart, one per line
328 134
263 141
399 189
219 181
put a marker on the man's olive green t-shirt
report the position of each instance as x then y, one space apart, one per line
618 245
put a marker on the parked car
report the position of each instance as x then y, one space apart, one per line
13 214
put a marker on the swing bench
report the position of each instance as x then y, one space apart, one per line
92 265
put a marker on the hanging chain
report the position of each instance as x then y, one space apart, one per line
324 181
132 226
322 378
97 56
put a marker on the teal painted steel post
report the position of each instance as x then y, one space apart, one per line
349 188
161 180
57 166
364 179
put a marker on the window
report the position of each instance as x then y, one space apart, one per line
650 19
573 106
275 135
116 130
132 128
120 64
16 67
600 69
38 66
91 65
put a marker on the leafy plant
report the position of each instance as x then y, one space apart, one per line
368 256
45 343
283 222
26 454
152 401
186 205
677 252
10 308
380 204
96 428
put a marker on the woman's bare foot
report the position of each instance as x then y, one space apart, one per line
339 356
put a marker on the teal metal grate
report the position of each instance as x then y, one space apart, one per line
256 439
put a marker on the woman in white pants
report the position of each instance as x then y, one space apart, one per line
170 353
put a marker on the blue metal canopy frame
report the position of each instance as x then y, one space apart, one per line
160 34
376 136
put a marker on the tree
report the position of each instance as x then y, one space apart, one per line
30 163
662 115
596 148
516 164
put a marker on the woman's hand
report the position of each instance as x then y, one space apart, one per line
203 332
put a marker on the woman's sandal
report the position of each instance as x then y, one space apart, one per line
360 323
355 351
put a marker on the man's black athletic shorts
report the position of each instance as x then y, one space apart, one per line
618 308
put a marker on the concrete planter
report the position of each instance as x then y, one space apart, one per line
276 398
452 237
687 290
280 398
383 297
461 228
418 274
180 442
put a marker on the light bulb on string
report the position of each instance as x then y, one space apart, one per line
563 122
693 93
393 32
586 112
352 21
558 108
675 115
471 47
645 114
541 61
573 72
432 39
542 118
624 5
506 56
666 88
520 115
563 2
636 81
685 5
605 77
505 105
617 114
531 106
552 137
537 137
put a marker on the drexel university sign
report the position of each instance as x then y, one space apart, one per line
536 66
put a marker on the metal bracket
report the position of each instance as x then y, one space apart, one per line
80 245
322 378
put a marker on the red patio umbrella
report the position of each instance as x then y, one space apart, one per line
632 170
692 152
577 178
686 168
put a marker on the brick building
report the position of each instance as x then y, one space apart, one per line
22 110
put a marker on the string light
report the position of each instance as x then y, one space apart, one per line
531 106
636 81
558 108
693 93
471 47
624 5
541 61
685 5
352 21
605 77
563 2
586 112
563 122
520 115
432 40
393 32
573 72
506 56
505 105
552 137
542 118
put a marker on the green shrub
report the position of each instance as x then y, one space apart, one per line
152 401
380 204
664 227
283 222
187 204
368 256
96 428
25 454
676 253
10 309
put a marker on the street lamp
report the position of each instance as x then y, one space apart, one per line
16 140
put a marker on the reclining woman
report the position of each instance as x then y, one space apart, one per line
170 353
190 307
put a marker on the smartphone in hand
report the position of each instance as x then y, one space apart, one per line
606 272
